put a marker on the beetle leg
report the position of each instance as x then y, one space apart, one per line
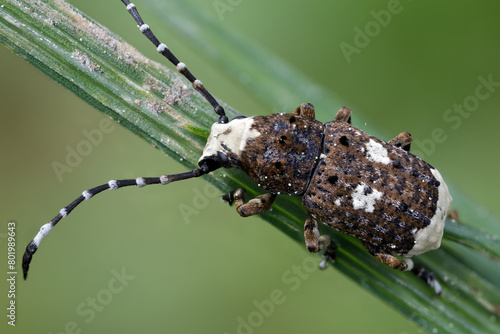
394 262
406 265
428 277
343 115
311 234
305 110
402 140
316 242
389 259
254 206
453 215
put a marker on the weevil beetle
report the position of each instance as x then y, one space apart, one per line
392 201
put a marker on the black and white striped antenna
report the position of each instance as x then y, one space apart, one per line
181 67
112 185
205 167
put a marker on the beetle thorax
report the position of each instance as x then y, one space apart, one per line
229 140
282 158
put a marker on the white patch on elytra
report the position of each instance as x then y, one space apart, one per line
376 152
429 237
337 202
362 201
230 137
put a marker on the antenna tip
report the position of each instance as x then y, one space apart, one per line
28 254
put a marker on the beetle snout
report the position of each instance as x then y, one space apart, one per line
216 161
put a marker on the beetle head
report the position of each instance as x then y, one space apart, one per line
226 142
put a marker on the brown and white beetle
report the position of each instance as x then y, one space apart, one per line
376 191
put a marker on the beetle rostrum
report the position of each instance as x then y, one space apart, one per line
395 203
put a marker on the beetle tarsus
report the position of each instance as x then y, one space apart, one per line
316 242
453 215
403 140
330 254
305 110
343 115
254 206
228 198
235 196
428 277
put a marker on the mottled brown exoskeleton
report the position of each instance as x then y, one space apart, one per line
377 191
392 201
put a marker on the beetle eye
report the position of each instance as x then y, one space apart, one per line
223 160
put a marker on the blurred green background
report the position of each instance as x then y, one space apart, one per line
207 273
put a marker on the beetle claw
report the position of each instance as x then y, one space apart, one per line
428 277
322 264
228 198
329 255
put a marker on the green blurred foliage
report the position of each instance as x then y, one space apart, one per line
203 273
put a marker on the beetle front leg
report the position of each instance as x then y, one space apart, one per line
254 206
316 242
343 115
305 110
402 140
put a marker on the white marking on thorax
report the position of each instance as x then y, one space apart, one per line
248 133
376 152
362 201
429 237
230 137
44 230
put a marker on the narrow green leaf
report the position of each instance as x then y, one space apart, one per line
156 104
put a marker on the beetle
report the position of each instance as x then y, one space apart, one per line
395 203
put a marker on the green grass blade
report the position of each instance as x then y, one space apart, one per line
156 104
